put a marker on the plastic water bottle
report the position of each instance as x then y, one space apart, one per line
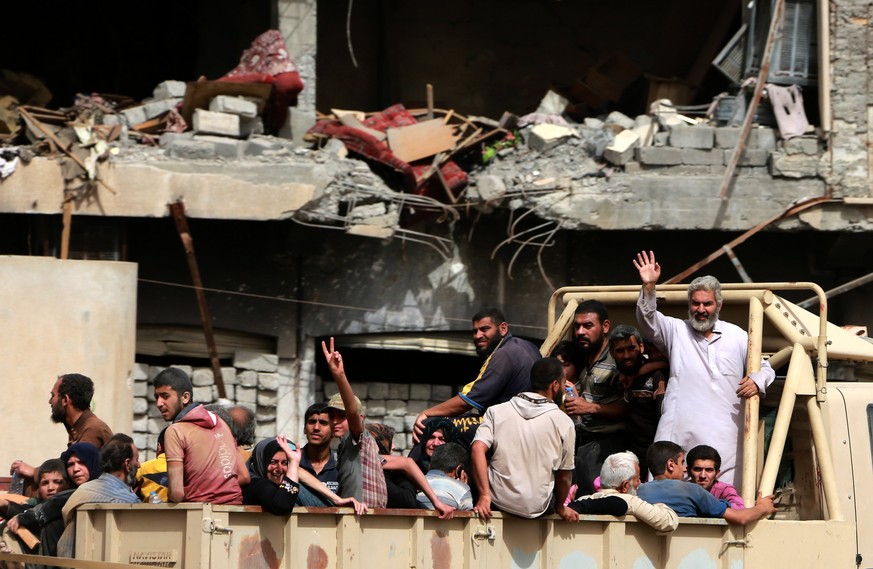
568 394
17 484
154 498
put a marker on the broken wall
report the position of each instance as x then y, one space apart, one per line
851 92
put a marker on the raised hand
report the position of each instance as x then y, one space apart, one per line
650 270
334 358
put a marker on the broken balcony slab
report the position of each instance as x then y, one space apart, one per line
244 191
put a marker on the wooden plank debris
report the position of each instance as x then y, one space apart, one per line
427 138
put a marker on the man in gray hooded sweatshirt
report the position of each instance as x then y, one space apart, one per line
532 442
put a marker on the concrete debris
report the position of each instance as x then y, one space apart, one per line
544 137
620 119
552 104
234 106
621 151
170 90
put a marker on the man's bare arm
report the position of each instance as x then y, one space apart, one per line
450 408
579 406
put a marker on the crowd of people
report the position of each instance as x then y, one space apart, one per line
577 432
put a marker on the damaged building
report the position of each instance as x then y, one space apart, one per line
378 171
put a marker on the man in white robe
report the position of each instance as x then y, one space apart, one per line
708 379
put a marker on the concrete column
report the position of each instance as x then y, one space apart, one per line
297 23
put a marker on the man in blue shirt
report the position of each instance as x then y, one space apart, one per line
667 465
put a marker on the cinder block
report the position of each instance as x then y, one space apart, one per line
621 150
246 394
808 145
793 166
759 138
170 89
420 391
140 372
202 377
265 414
140 405
702 137
544 137
140 388
222 146
398 391
245 359
395 407
621 119
763 138
409 423
442 392
487 188
247 378
140 424
208 122
154 109
233 105
376 407
727 136
134 115
190 149
265 430
228 375
203 394
751 157
696 156
361 390
259 146
415 406
659 155
269 381
268 398
378 390
395 422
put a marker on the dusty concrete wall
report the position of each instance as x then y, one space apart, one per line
297 22
63 317
852 96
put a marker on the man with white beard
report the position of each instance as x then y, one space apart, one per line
708 378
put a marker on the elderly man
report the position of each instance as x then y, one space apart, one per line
620 478
531 442
708 377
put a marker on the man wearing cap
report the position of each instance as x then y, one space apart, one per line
360 466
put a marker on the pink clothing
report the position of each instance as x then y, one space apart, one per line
724 491
204 445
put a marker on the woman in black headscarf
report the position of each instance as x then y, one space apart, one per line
273 469
437 431
46 520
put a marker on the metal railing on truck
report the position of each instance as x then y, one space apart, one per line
788 333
